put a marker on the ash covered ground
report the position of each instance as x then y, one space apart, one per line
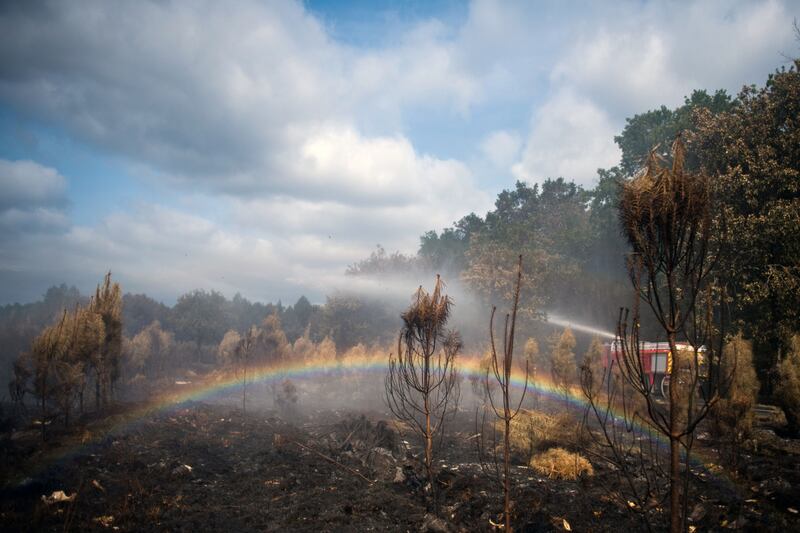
203 466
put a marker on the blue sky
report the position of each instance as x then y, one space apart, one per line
261 147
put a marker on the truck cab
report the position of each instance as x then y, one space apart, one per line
656 361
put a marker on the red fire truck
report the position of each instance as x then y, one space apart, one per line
656 361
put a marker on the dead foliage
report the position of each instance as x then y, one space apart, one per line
536 430
788 390
732 416
558 463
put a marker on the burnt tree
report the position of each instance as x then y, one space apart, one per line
501 365
422 386
666 215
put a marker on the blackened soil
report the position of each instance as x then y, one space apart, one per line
208 468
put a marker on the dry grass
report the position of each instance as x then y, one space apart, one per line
732 416
788 390
532 430
558 463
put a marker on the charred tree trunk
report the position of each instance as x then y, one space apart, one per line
244 389
674 443
97 390
501 366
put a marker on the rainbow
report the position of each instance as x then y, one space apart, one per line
222 384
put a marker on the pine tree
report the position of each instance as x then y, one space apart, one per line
562 361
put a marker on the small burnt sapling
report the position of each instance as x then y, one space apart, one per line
422 386
500 368
287 398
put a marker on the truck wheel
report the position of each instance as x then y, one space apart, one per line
665 386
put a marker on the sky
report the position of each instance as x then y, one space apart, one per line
261 147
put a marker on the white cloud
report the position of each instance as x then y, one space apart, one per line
501 148
161 251
570 137
212 95
730 44
380 171
659 52
25 184
32 199
385 193
423 69
39 219
623 71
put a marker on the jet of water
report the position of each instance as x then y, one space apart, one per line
565 322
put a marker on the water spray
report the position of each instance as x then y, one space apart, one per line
561 321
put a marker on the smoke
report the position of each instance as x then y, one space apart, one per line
391 287
395 292
470 316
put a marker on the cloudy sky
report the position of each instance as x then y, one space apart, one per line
261 147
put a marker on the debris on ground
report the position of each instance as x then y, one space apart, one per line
58 496
105 520
433 524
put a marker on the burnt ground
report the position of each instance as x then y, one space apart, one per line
204 467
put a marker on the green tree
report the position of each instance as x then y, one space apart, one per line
350 320
151 350
242 313
140 311
303 310
658 128
380 263
200 317
550 226
607 247
753 153
446 251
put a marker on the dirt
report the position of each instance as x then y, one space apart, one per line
203 467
